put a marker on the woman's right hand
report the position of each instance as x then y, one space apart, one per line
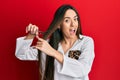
32 31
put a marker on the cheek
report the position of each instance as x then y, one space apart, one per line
76 24
64 27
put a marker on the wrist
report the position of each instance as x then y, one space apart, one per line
58 56
30 36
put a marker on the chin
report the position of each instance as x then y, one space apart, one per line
72 36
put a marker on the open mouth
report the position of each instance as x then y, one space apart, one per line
72 31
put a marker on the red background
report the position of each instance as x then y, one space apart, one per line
100 19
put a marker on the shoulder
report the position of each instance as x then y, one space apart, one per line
85 38
87 43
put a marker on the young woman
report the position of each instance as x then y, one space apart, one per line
63 52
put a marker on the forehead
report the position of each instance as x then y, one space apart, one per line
70 13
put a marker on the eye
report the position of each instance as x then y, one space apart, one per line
75 19
67 20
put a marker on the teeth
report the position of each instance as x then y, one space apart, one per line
72 30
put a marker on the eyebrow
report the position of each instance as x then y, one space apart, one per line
73 17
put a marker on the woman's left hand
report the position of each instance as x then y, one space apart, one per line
44 46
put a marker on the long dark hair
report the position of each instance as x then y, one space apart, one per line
55 36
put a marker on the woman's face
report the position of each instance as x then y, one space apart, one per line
69 25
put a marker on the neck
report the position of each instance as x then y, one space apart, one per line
69 41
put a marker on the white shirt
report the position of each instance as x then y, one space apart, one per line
71 69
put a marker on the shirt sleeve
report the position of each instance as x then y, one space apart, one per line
82 66
24 51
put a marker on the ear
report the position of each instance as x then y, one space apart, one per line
59 27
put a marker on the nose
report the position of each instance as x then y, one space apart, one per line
72 23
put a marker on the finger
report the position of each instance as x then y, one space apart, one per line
36 47
31 29
37 31
40 39
34 29
28 28
39 43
